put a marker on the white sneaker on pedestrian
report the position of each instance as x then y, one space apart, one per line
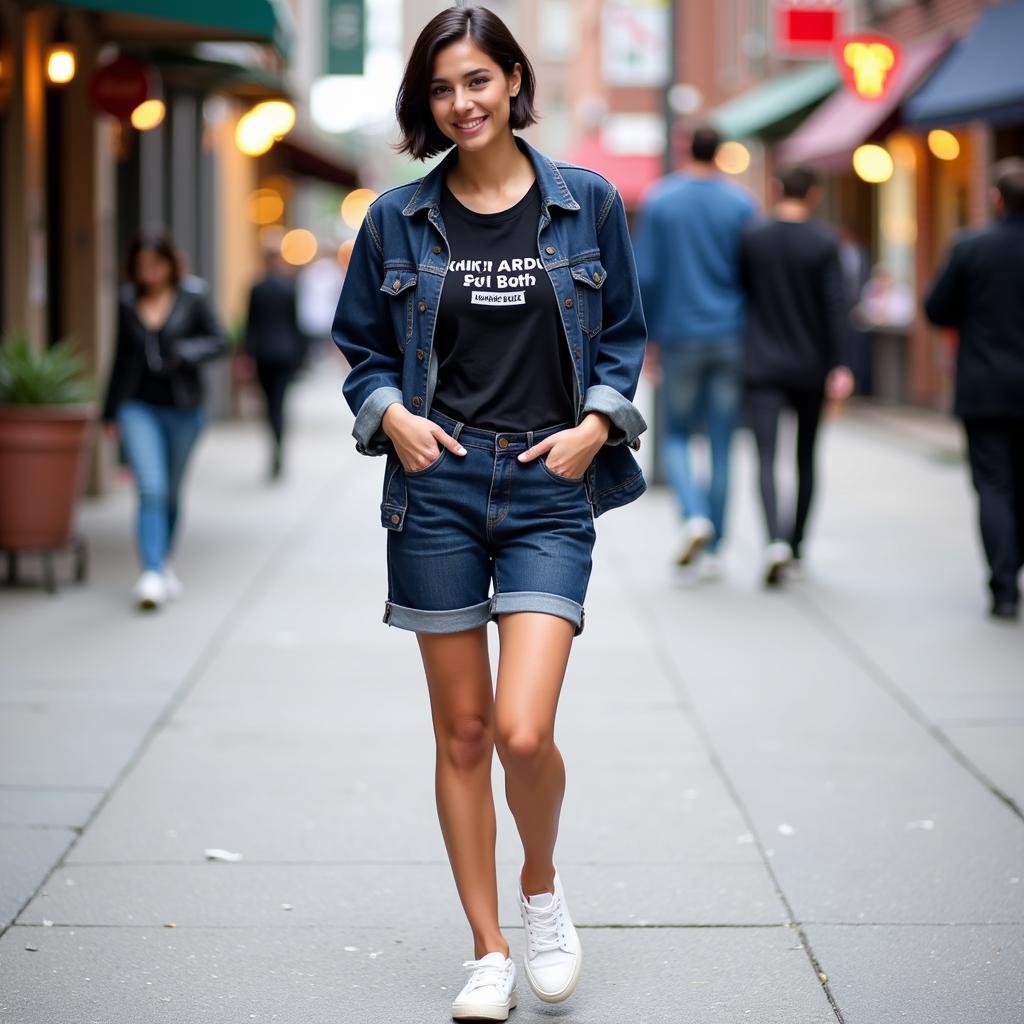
554 956
778 555
490 992
151 590
175 588
698 532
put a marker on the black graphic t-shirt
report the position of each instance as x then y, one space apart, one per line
503 361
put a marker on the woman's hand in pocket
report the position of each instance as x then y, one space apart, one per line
570 452
418 441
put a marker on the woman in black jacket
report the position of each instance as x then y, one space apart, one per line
165 329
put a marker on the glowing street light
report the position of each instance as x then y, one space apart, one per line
61 63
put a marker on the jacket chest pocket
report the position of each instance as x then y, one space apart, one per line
588 276
400 287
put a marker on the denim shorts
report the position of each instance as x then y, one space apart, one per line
484 534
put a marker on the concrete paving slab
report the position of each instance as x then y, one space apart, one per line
26 856
998 751
923 975
402 895
307 976
32 805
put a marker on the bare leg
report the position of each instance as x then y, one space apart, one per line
462 707
534 653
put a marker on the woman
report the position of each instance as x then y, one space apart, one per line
492 324
165 329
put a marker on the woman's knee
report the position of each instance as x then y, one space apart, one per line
466 742
522 746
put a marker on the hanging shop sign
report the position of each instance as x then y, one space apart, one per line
636 42
808 28
119 87
345 35
869 63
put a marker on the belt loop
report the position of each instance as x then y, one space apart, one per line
529 439
457 430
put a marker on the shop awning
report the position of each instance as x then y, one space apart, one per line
845 121
241 80
982 78
301 152
263 21
774 108
632 174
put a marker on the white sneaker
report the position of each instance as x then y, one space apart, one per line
151 590
490 992
776 558
698 532
553 953
175 588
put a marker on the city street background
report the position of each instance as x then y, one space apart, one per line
794 807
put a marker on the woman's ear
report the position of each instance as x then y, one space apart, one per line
515 80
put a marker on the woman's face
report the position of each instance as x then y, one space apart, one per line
470 95
153 272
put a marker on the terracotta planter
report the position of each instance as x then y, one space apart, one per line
42 472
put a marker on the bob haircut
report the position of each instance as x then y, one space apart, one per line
421 138
157 241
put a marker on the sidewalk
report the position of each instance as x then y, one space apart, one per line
790 808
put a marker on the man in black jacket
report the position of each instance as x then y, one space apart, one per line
796 337
980 291
275 343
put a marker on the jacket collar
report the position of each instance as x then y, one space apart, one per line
553 189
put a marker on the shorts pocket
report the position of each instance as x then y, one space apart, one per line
416 473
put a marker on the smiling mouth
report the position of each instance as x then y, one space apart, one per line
468 126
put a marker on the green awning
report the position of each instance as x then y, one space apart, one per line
192 71
773 109
257 20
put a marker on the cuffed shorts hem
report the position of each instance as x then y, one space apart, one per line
537 601
454 620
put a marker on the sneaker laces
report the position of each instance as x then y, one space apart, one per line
485 975
546 930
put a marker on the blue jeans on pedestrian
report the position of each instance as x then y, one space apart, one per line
157 441
701 388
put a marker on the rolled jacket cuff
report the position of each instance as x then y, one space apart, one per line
370 439
626 420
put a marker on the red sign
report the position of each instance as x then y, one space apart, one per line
869 63
808 28
119 87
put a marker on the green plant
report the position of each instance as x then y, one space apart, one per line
52 376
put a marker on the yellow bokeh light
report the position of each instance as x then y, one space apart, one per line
148 114
266 206
345 252
944 145
872 164
732 158
277 115
298 247
871 64
252 135
61 64
355 205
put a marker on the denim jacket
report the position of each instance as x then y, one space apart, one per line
385 321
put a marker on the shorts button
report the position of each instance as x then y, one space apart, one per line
396 519
417 401
423 307
550 250
568 303
420 354
502 442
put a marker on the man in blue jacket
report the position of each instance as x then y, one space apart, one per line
687 244
980 291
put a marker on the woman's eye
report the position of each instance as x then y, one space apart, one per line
479 81
438 90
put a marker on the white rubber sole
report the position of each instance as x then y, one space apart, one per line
483 1011
570 987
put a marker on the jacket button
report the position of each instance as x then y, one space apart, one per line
397 284
437 249
579 352
568 303
420 354
422 307
396 519
417 401
502 442
550 250
597 276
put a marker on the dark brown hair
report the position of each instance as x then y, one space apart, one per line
1009 179
704 144
798 181
421 138
157 241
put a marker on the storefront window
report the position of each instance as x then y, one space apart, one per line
897 231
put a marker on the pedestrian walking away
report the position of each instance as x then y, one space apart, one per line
276 344
166 328
491 318
797 339
980 291
687 251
